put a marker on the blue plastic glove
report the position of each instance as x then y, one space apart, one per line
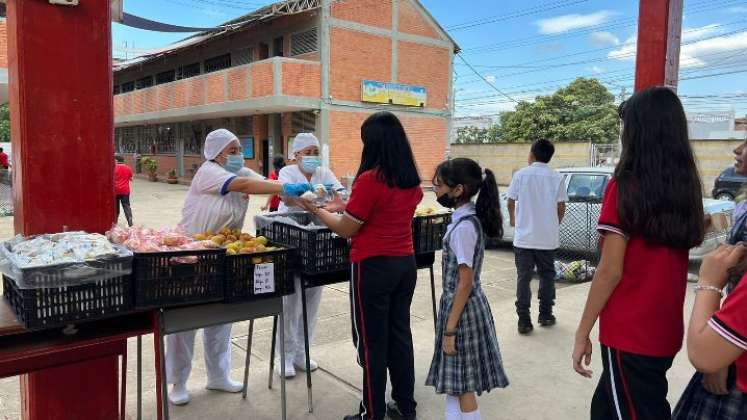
296 190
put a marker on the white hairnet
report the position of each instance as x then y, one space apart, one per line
216 141
304 140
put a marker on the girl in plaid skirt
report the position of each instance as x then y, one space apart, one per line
466 359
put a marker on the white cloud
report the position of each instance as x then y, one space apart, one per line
565 23
738 9
490 78
690 34
597 69
694 54
604 38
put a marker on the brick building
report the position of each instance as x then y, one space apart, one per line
294 66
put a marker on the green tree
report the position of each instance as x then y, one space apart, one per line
472 135
582 111
4 123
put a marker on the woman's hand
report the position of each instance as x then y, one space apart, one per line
449 345
307 205
336 205
714 271
715 383
582 351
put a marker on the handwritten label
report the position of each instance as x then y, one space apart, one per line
264 278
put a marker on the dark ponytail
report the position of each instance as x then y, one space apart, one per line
466 172
488 205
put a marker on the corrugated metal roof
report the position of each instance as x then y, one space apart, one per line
283 8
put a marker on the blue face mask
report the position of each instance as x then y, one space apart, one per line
234 163
309 164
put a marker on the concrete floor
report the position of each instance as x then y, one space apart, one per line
543 384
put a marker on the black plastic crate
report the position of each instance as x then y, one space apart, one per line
59 306
162 279
428 232
239 278
318 250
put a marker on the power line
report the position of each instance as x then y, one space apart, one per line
519 13
485 80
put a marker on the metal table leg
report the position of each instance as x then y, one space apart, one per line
162 359
272 350
282 364
306 346
248 358
139 377
433 297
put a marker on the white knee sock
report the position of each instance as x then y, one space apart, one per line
472 415
452 411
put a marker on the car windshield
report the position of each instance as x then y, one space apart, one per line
586 186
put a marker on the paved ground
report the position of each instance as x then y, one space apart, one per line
543 385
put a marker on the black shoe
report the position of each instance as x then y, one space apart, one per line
353 417
393 412
525 326
547 320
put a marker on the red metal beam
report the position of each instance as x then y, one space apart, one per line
658 49
62 133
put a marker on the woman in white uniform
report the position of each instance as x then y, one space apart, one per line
307 169
217 199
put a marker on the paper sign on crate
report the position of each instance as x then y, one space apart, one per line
264 278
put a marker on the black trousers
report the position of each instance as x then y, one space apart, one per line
632 387
526 261
124 201
381 294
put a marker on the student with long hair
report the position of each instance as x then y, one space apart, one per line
378 219
651 216
466 359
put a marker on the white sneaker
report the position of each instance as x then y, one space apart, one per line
300 363
225 385
179 394
290 370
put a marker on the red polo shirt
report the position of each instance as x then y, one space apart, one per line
122 177
730 322
386 214
644 314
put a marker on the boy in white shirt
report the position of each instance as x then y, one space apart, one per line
541 195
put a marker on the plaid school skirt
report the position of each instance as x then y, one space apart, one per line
698 404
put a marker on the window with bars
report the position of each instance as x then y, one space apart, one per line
218 63
243 126
165 138
304 42
242 56
128 87
166 77
189 70
303 122
143 83
193 138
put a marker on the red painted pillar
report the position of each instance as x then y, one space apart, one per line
659 33
61 122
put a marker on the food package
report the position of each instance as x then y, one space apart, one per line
62 259
428 211
142 239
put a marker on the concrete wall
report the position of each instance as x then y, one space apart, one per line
505 159
713 156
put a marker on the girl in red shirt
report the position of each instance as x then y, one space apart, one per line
716 338
651 216
378 219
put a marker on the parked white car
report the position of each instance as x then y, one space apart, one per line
578 231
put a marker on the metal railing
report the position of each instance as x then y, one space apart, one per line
579 251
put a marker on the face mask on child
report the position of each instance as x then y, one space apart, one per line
447 201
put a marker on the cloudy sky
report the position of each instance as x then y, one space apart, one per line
531 47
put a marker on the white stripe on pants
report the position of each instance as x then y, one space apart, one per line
217 347
293 316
